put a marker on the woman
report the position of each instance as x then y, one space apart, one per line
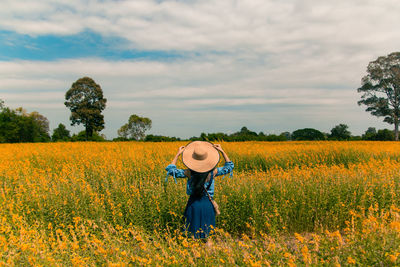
201 158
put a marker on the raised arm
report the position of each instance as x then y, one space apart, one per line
219 148
180 151
228 166
172 170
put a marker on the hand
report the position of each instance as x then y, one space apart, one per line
180 150
218 147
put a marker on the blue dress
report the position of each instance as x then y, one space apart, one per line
199 212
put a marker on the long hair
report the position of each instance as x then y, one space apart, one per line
198 180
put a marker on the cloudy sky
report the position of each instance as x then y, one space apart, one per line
198 66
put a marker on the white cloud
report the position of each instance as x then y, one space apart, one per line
264 64
37 97
225 25
187 97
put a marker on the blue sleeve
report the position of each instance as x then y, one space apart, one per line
228 168
173 171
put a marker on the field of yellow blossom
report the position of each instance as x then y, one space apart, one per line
287 204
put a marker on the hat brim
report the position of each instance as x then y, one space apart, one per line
205 165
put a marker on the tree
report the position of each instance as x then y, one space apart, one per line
86 102
135 128
34 127
287 135
20 126
61 133
9 126
340 132
160 138
244 135
42 126
245 131
272 137
370 134
307 134
381 89
81 136
203 137
370 130
41 120
385 135
356 138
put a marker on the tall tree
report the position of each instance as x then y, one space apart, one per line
381 89
86 102
135 128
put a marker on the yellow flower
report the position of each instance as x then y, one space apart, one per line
392 258
75 245
306 254
291 263
299 237
350 260
395 226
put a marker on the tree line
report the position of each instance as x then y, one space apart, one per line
339 132
17 125
380 90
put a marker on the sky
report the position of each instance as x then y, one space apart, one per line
198 66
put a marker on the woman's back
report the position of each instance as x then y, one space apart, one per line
201 159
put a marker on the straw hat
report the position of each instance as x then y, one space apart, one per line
200 156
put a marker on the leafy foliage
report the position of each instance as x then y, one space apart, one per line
382 135
81 136
340 132
9 126
160 138
135 128
86 102
243 135
61 133
307 134
43 125
20 126
370 134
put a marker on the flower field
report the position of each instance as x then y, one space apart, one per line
288 204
